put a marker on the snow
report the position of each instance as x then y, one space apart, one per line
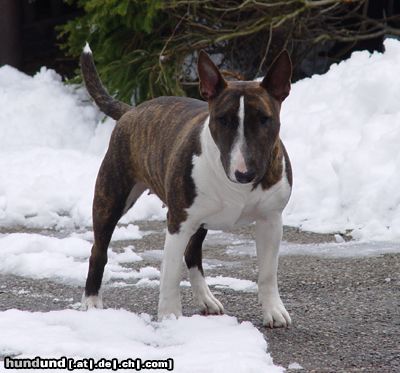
219 282
87 49
342 133
147 283
222 282
340 129
130 232
66 260
51 146
63 259
128 256
230 346
232 283
295 366
352 249
339 249
121 233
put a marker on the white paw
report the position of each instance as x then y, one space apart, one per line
92 301
168 309
209 305
275 314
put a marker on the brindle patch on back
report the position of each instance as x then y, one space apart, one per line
164 134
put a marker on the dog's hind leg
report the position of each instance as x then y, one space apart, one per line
113 197
209 305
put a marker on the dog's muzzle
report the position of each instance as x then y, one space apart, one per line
245 177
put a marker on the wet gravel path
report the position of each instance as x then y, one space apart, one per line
345 311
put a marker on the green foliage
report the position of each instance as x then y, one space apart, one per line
146 48
126 37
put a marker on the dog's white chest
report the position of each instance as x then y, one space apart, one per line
224 213
230 215
220 206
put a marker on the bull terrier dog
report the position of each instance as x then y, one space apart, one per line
215 164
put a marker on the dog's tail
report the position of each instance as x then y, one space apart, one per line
107 104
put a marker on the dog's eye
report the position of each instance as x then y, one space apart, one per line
265 120
223 121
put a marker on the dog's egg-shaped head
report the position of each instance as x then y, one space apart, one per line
244 116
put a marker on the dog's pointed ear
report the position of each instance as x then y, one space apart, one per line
277 80
211 80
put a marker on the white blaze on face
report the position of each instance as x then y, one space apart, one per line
237 158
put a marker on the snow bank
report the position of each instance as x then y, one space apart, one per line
197 344
51 145
342 132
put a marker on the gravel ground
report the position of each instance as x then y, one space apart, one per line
345 311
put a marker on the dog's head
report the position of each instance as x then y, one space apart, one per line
244 116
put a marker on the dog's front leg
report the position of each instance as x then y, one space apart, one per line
171 273
268 238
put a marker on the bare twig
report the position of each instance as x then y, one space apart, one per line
266 51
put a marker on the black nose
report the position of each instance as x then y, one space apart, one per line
245 177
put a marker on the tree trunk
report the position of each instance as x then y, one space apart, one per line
10 33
